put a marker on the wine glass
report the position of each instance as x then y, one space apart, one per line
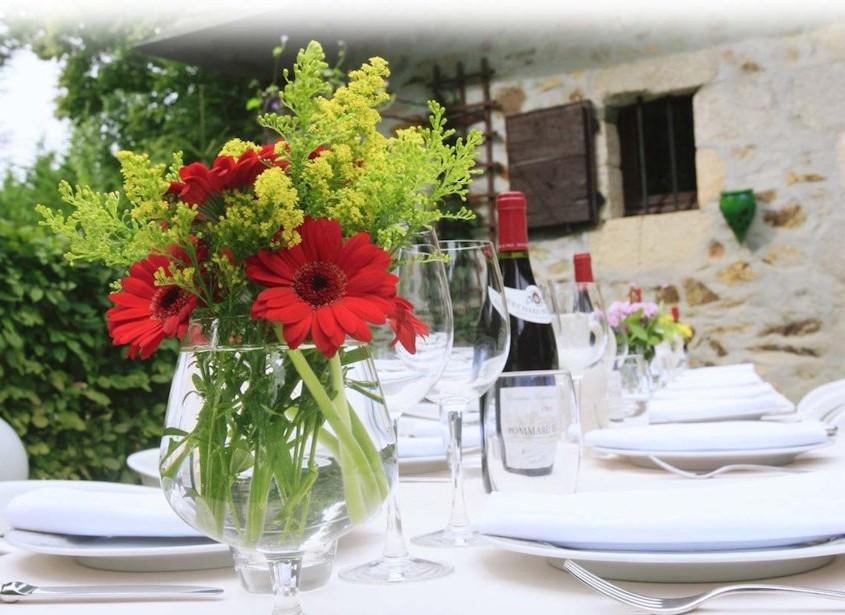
479 351
580 325
406 378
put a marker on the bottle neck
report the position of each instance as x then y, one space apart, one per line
512 255
513 231
583 268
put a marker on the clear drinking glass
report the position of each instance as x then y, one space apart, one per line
479 351
533 432
628 391
406 378
581 328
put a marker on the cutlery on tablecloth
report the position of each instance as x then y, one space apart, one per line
685 604
17 591
733 467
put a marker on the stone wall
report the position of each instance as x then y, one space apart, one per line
769 116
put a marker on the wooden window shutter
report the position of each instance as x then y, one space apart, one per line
551 158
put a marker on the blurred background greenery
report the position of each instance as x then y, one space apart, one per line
78 404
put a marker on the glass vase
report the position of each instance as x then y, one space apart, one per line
273 449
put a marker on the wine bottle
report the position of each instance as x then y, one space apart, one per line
583 266
594 412
526 416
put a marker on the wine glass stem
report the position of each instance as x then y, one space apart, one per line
458 519
577 377
395 545
284 572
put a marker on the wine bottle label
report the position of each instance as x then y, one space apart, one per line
528 304
530 421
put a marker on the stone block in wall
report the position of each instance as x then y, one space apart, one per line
652 242
698 293
510 99
785 256
840 153
791 216
741 111
831 38
612 189
710 175
794 328
741 271
607 145
817 95
657 76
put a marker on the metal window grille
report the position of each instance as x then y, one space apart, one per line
657 144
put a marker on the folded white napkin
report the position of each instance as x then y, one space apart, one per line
717 436
752 513
674 391
717 377
693 409
739 370
142 511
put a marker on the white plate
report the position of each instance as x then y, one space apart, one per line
125 554
686 567
710 460
145 463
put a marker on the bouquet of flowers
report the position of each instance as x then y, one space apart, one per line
641 325
299 235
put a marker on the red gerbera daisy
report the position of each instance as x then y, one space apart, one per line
324 286
406 326
144 314
201 185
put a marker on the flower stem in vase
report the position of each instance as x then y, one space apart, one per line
364 482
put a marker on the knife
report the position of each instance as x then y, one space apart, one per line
15 591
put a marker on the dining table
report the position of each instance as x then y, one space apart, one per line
487 580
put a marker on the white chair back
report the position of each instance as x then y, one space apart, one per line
825 403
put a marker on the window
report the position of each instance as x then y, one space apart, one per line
657 147
551 158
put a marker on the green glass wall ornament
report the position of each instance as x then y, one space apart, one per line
738 207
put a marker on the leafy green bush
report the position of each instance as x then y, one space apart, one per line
78 404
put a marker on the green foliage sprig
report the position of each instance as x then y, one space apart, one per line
339 166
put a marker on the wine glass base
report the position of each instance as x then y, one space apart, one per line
386 570
449 537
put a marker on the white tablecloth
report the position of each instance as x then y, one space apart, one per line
486 581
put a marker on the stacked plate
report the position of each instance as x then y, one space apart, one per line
709 417
111 526
707 446
728 392
710 532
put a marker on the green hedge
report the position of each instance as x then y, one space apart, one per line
78 404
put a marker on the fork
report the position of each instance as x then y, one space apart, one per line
733 467
684 604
